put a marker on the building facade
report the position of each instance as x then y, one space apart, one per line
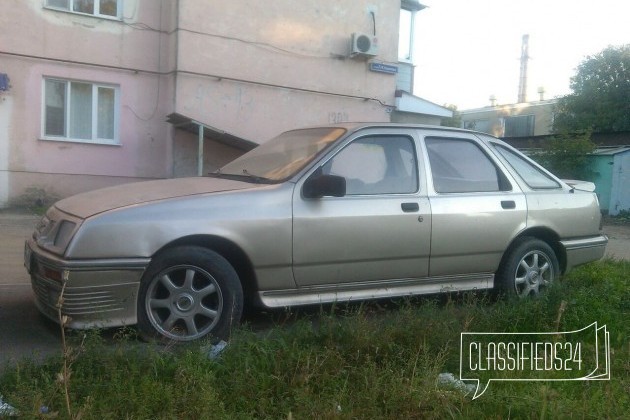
526 119
101 92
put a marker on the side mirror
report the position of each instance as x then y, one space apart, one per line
318 186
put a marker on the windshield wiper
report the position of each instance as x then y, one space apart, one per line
245 176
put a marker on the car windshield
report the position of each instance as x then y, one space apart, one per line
281 157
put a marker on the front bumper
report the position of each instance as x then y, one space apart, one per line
98 293
584 250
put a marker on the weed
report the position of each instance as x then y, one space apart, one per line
374 360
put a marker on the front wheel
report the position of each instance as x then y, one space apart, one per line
188 293
529 267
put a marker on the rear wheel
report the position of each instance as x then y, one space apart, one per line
529 267
188 293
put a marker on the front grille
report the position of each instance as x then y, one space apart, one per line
81 303
76 301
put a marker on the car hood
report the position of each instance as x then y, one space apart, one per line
98 201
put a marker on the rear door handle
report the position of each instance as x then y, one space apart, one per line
508 204
410 207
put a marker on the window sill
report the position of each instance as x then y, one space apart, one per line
80 141
71 12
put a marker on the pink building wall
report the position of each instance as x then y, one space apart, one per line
252 69
39 42
277 46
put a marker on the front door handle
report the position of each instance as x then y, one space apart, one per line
410 207
508 204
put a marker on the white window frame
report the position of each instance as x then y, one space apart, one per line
94 139
412 7
408 41
70 9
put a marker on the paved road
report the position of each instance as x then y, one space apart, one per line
23 332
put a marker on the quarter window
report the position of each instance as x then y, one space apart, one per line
376 165
460 166
103 8
533 176
80 111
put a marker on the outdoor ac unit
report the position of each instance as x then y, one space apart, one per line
364 45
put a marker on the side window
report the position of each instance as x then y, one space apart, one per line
376 165
459 166
532 175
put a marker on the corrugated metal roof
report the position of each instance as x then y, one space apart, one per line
610 150
188 124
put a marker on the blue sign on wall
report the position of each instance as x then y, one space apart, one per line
383 68
4 81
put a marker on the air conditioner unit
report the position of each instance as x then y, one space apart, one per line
364 45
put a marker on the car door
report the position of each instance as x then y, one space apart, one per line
381 228
477 207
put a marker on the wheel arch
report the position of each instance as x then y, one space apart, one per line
546 235
237 258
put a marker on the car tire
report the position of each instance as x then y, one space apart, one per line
529 266
188 293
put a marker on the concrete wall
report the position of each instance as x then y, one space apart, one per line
257 69
408 118
185 150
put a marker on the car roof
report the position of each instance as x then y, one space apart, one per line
356 126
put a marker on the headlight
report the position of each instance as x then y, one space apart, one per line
55 230
43 227
64 234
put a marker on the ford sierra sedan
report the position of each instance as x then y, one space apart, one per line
317 215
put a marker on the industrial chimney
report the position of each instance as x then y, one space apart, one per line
522 86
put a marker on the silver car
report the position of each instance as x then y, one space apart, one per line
339 213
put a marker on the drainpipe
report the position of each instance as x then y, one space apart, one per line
200 152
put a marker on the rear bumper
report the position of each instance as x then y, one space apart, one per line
98 293
584 250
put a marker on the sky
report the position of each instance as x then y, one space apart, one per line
467 50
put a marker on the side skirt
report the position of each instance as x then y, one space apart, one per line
347 292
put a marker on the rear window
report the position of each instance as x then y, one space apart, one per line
533 176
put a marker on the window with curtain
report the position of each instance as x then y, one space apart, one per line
80 111
105 8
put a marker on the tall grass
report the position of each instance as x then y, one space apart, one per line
357 361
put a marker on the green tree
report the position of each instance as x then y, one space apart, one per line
566 155
455 120
601 94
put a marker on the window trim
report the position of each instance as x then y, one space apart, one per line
97 6
94 139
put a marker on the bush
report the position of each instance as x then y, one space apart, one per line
566 155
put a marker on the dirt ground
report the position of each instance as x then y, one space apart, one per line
618 241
